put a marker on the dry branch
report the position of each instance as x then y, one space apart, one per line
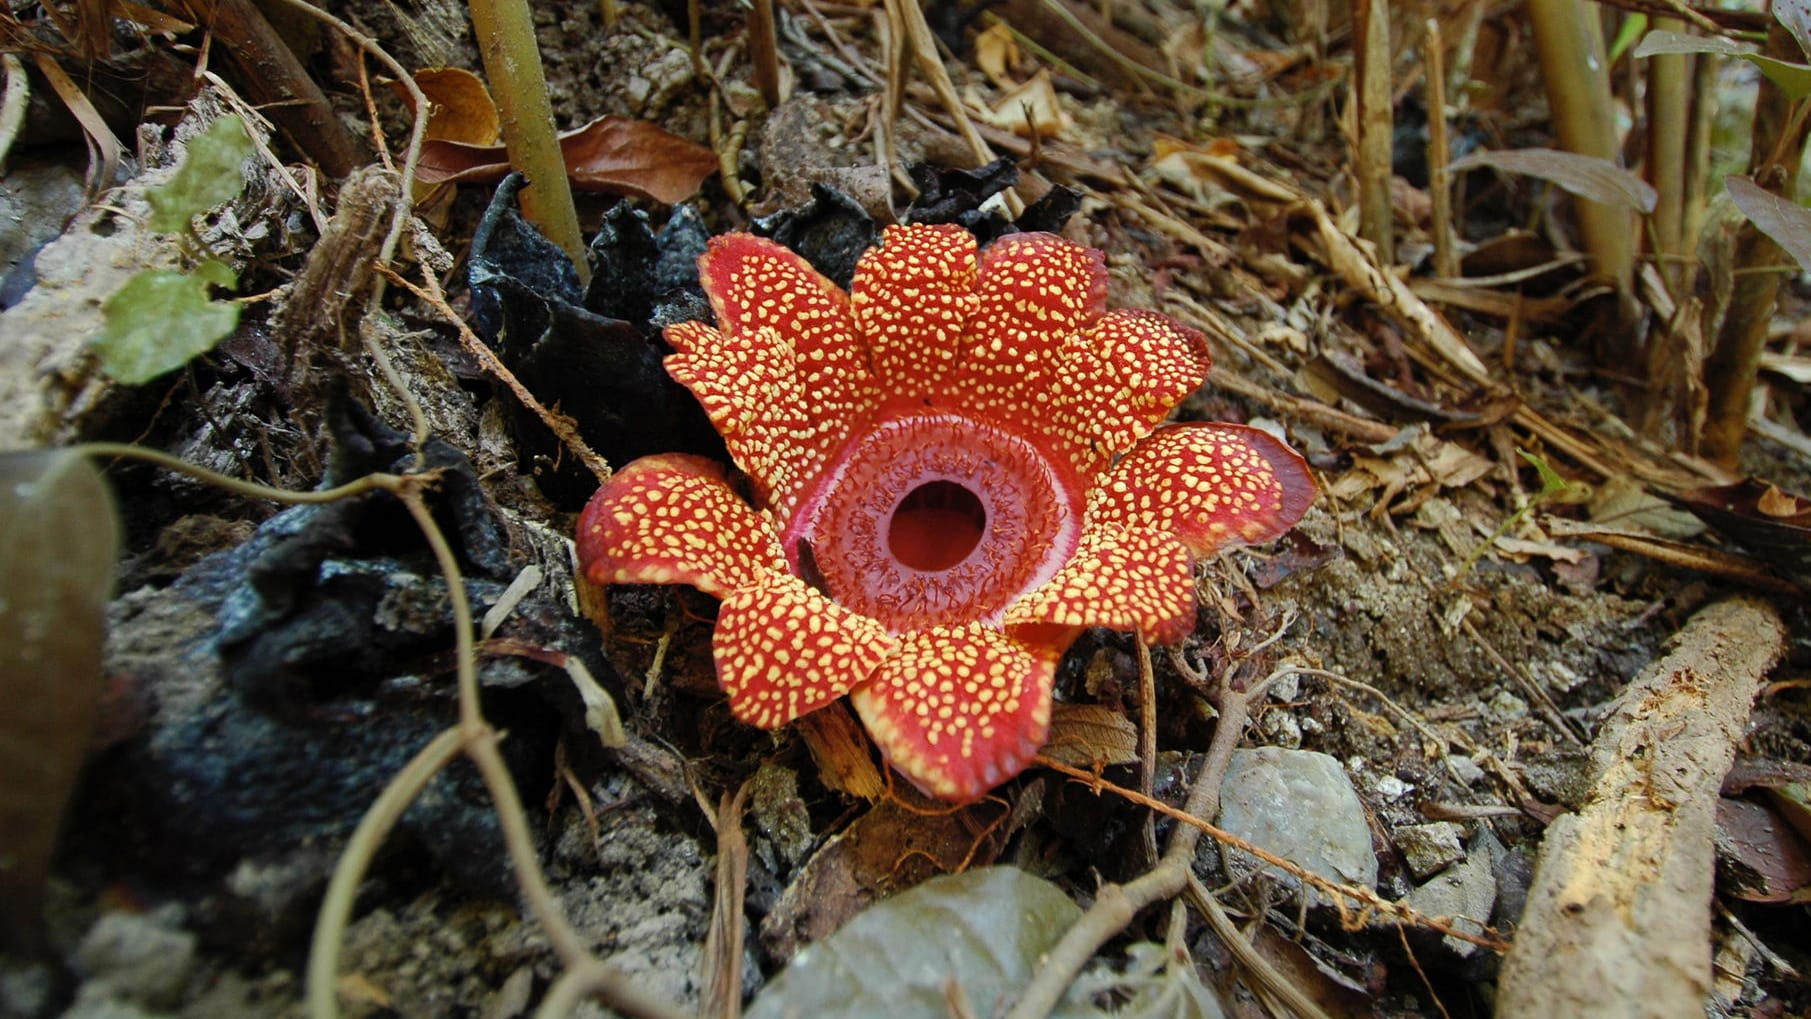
1618 920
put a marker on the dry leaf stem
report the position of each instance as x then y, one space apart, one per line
1439 152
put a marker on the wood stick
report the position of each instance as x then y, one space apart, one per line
1618 920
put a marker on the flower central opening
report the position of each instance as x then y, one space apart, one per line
937 525
933 518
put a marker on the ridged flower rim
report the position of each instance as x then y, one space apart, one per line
955 468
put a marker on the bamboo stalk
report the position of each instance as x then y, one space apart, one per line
1374 125
1439 151
1668 122
1570 44
512 61
1777 145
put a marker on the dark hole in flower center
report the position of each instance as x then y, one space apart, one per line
936 526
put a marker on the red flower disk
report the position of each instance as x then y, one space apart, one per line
954 471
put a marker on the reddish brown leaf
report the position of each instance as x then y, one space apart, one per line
1760 857
615 154
1772 524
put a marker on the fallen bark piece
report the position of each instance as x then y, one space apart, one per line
1618 920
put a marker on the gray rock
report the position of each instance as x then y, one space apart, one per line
1299 805
91 1004
1429 848
1467 890
142 958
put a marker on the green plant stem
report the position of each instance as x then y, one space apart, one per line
512 60
349 872
251 489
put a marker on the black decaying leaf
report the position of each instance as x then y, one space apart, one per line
831 231
603 371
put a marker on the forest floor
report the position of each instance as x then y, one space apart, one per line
1459 641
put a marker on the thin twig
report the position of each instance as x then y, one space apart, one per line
1115 905
251 489
561 425
1147 740
1260 969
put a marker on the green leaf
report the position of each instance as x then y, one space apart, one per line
1551 482
1632 28
1793 79
1788 223
210 175
983 930
162 318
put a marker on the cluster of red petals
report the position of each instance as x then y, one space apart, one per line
954 471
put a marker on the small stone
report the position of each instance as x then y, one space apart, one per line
1468 890
1280 729
1287 687
1429 848
1392 788
1507 707
1301 806
511 999
94 1004
1466 769
140 957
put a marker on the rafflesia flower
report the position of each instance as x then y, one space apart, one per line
953 472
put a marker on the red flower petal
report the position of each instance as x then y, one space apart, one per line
753 284
1125 580
1035 290
783 650
749 389
671 519
1119 379
1211 485
958 710
912 296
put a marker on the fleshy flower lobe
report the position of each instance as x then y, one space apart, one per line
956 467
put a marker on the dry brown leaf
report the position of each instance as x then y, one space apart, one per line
1088 735
1775 503
613 154
460 108
1032 106
1762 858
841 751
997 54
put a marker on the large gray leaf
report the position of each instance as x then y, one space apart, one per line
1585 176
1788 223
984 929
1793 79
